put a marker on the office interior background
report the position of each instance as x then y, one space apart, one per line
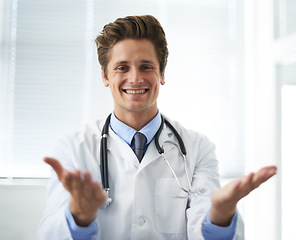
231 75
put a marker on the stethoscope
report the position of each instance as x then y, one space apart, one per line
182 149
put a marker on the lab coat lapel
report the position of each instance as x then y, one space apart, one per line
152 154
120 148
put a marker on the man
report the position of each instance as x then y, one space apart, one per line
148 200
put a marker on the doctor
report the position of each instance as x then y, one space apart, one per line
147 199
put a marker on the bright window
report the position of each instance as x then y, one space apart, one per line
288 160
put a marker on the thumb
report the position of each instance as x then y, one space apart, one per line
55 164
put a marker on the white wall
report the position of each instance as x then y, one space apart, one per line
261 123
21 205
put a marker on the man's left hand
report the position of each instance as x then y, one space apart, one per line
224 201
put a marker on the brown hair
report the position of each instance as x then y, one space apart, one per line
134 27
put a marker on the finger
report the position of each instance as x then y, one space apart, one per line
67 180
87 185
55 164
244 187
242 182
263 175
99 191
76 183
247 179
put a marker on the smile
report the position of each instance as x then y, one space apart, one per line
132 91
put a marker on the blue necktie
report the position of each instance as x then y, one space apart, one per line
140 141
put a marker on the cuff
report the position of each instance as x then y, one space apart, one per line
81 233
214 232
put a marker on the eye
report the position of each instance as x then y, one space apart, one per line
122 68
146 68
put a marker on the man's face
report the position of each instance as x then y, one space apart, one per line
134 77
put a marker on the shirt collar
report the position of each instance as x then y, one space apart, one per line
127 133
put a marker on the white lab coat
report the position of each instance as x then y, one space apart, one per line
143 206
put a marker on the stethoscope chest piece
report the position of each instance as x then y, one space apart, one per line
109 199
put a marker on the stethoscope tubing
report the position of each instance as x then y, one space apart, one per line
104 155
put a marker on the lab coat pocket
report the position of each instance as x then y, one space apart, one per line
170 208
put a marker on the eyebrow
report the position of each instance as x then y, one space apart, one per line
141 61
121 62
147 61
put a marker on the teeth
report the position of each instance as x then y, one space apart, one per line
136 91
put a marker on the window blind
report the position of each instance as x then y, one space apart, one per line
285 24
51 84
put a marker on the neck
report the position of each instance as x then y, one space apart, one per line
136 120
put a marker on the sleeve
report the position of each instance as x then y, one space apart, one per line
54 223
205 178
81 233
213 232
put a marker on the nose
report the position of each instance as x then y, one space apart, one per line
135 76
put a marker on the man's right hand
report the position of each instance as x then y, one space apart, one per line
87 196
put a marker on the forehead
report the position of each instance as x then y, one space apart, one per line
130 50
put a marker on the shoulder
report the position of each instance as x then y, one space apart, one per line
91 130
191 137
200 149
182 130
72 148
87 136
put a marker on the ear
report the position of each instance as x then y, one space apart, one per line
105 80
162 81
